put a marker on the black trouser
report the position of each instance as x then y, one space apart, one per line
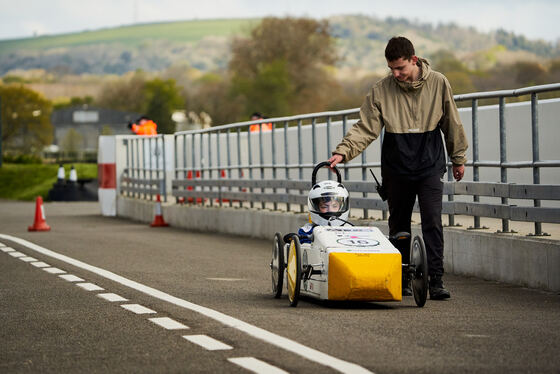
401 195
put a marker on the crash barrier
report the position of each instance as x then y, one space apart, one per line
144 174
288 152
283 193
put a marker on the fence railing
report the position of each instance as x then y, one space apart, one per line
144 174
271 168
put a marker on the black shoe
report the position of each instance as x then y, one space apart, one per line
437 290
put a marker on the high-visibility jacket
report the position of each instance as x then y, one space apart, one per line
257 127
146 128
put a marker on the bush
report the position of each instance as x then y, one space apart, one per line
22 159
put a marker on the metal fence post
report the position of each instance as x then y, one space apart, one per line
250 161
503 155
536 157
286 159
273 141
300 159
261 158
474 115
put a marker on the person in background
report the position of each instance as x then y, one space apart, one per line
257 127
415 106
143 127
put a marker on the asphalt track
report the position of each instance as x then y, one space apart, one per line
214 292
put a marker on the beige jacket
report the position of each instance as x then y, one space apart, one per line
413 115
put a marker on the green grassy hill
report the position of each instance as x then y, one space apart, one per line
205 45
133 35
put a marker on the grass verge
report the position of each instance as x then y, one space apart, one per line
27 181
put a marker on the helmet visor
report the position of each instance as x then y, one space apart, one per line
329 204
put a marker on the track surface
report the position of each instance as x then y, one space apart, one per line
219 287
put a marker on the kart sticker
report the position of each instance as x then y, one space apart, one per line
358 242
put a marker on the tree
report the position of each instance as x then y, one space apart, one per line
126 93
26 125
162 98
283 63
72 142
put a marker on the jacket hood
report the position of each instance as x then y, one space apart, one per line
425 72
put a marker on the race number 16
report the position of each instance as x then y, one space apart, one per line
358 242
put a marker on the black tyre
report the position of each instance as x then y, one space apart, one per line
277 265
419 260
294 271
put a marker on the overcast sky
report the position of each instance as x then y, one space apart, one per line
536 19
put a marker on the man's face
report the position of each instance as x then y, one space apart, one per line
404 70
329 206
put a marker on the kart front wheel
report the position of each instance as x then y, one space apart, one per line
419 260
277 265
294 271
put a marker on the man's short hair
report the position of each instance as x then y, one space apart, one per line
397 47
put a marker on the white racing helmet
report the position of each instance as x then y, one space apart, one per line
324 192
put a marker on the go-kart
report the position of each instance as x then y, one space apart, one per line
347 263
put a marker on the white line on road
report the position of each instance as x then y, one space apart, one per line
16 254
138 309
112 297
256 366
168 323
207 342
254 331
2 245
89 286
28 259
71 278
54 270
7 249
40 264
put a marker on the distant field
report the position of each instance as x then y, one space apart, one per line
134 35
27 181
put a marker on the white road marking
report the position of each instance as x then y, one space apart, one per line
2 245
89 286
7 249
40 264
28 259
71 278
54 270
16 254
138 309
256 366
168 323
112 297
254 331
207 342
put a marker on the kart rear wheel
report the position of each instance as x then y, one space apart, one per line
277 265
419 260
294 271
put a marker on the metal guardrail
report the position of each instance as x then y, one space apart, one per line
144 174
236 190
268 168
193 154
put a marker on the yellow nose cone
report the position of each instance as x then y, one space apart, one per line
365 276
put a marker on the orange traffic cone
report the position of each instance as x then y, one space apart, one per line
158 219
40 224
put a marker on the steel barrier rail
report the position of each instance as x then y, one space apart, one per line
144 174
497 190
536 163
232 151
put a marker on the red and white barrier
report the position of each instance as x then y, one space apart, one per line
107 175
